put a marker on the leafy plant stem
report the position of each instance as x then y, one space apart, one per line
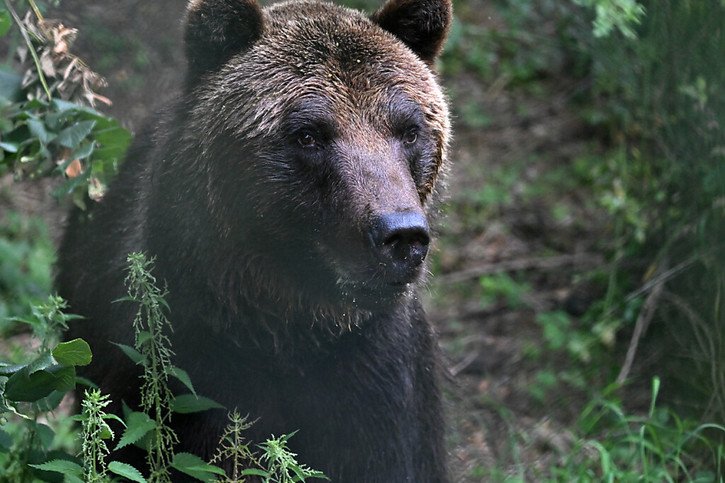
29 43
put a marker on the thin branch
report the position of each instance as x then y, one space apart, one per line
29 43
36 10
542 263
643 321
662 278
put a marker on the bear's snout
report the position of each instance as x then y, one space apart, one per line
400 241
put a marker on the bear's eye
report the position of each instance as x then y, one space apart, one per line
307 140
410 136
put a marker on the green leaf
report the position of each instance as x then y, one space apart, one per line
72 136
127 471
43 432
37 129
255 472
44 361
137 425
76 352
188 403
9 147
28 387
132 353
184 378
113 140
86 382
61 466
196 467
83 151
50 402
65 106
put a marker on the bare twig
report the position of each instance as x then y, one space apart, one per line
643 321
462 365
541 263
662 277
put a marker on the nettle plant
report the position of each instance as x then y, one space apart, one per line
31 391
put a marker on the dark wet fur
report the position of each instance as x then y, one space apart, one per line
279 307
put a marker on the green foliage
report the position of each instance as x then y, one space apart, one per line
41 138
502 286
47 320
281 464
26 255
95 433
658 446
151 341
615 14
234 448
664 184
54 137
277 464
32 388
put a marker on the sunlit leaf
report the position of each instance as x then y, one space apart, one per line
76 352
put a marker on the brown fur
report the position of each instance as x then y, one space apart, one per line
282 305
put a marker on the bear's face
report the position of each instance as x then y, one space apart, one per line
328 134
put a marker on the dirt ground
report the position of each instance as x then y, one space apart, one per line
493 222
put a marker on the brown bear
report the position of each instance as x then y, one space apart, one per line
286 199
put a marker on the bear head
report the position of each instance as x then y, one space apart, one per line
318 136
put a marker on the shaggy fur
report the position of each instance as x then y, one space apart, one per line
300 125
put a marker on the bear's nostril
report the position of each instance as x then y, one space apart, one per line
402 237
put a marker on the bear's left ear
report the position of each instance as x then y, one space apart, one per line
218 29
421 24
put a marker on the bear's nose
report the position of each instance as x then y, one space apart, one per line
401 241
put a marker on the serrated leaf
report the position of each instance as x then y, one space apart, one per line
127 471
61 466
115 418
137 425
184 378
75 352
132 353
72 136
196 467
188 403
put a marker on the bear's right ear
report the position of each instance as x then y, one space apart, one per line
218 29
